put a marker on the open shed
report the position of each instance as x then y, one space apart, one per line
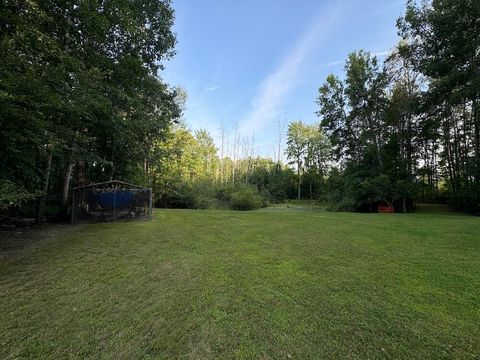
111 201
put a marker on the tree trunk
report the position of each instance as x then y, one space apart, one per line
82 164
476 126
43 199
81 172
376 141
450 174
66 183
298 181
63 215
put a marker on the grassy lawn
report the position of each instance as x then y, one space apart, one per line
268 284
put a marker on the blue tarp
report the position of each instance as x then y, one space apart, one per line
114 199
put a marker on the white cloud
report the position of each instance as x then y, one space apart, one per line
274 89
334 63
382 53
379 54
213 88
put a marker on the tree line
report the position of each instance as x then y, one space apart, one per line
188 170
408 130
81 101
80 95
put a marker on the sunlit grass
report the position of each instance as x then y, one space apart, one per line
265 284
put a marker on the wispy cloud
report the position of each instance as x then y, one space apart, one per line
335 63
213 88
382 53
379 54
273 90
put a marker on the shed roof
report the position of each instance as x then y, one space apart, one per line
106 184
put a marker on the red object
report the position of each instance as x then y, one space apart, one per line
386 209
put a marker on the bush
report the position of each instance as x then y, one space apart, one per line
245 199
223 194
345 204
265 197
199 195
208 195
13 195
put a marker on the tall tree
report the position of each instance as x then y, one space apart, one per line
365 90
363 116
444 37
297 140
80 79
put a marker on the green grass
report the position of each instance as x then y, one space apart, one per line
265 284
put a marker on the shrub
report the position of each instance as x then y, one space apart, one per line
345 204
208 195
223 194
245 199
13 195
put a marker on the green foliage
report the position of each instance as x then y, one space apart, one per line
347 204
11 195
209 195
186 172
245 198
309 151
79 81
81 98
276 182
442 42
353 114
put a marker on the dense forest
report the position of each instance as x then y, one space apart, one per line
80 95
82 100
408 130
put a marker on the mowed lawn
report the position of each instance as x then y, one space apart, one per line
274 284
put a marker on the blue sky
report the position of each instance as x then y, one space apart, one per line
250 63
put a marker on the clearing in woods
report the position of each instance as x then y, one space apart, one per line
264 284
